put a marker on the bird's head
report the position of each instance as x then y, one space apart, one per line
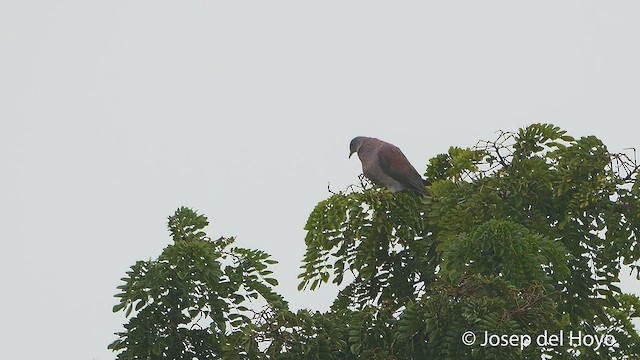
355 144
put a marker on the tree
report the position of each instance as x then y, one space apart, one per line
522 236
191 301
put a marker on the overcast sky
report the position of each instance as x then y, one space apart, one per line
115 113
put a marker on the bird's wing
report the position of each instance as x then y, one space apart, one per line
396 165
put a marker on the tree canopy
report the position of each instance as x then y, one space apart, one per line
521 239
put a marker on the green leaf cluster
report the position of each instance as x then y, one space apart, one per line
520 235
193 301
523 234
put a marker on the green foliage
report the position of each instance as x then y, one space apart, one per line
380 237
524 235
193 300
489 250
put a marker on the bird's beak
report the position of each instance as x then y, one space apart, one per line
350 155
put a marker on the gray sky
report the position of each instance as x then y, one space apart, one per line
115 113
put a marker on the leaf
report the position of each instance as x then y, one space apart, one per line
140 304
302 285
119 307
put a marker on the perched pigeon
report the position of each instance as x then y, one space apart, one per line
385 165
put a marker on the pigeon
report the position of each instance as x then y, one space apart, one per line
385 165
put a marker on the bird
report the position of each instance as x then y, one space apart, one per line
385 165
